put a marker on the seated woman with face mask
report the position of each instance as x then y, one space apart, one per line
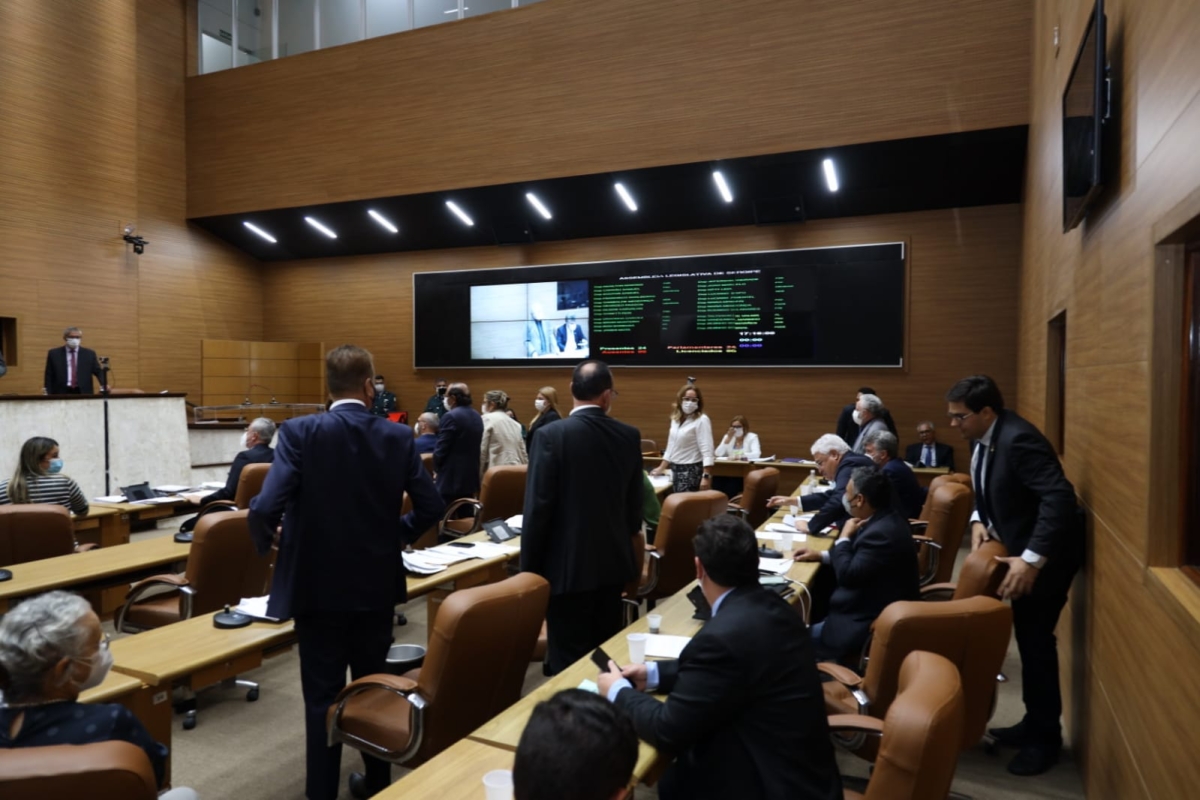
39 478
51 649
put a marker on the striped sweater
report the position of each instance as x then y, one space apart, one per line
55 489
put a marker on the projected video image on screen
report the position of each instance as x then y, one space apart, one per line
530 321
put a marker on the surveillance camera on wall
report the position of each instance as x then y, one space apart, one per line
139 244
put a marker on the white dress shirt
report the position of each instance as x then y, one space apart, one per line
749 446
985 443
690 441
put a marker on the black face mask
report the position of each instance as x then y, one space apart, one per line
441 390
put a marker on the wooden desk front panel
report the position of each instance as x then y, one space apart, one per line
454 774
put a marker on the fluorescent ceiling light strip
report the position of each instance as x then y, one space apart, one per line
458 212
830 175
533 201
722 187
382 220
255 229
625 196
320 227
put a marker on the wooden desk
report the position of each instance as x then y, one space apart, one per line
102 525
102 575
150 704
791 473
142 513
925 475
195 654
454 774
463 575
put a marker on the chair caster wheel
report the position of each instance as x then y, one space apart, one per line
189 721
252 695
401 619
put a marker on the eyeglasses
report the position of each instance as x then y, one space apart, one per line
961 417
105 641
922 433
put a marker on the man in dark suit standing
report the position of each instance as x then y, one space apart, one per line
583 505
744 712
1023 499
929 452
69 369
456 454
256 449
341 478
835 462
874 565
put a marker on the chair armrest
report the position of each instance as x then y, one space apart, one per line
842 675
394 683
405 688
919 539
83 548
918 525
938 591
855 723
138 589
169 579
215 503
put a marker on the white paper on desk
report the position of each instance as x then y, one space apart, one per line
171 488
660 645
445 554
781 527
158 501
112 498
198 495
773 536
413 562
255 608
659 481
589 686
515 521
213 485
492 550
775 566
763 459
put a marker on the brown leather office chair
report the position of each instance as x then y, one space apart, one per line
981 574
479 649
918 739
113 770
427 539
940 530
972 633
649 447
941 480
33 531
669 566
250 483
761 485
501 495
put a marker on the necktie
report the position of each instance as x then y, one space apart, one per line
928 457
74 382
981 501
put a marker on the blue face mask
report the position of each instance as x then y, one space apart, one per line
56 465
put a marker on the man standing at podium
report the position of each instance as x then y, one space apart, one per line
69 369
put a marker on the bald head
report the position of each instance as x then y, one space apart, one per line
459 394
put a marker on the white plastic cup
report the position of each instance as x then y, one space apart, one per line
637 648
785 542
655 621
498 785
794 510
805 489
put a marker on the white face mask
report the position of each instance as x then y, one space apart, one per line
446 403
737 432
379 387
245 444
539 404
101 663
846 505
689 406
857 417
73 343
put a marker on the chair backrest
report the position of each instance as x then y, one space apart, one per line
503 491
33 531
682 514
480 646
981 573
649 446
760 486
972 633
223 566
947 510
919 749
427 460
250 483
113 770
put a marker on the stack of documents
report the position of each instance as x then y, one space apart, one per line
416 561
775 566
488 550
515 521
171 488
111 498
255 608
213 485
660 645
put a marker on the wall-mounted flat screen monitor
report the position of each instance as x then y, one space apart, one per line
1084 108
818 307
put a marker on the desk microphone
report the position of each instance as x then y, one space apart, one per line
5 575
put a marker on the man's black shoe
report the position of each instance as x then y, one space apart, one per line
1013 736
401 619
358 786
1034 759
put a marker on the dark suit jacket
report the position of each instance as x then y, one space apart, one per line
341 479
745 712
560 336
1031 501
259 454
55 381
828 504
583 502
426 442
542 421
877 567
3 366
943 452
847 428
860 442
907 493
456 455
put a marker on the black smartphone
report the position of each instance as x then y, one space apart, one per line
601 659
461 544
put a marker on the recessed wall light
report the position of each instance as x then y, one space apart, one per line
255 229
320 227
458 212
722 187
382 220
830 174
533 201
625 196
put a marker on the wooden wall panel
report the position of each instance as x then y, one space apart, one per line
1140 737
962 320
570 87
273 373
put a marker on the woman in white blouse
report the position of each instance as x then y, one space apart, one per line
739 443
689 451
